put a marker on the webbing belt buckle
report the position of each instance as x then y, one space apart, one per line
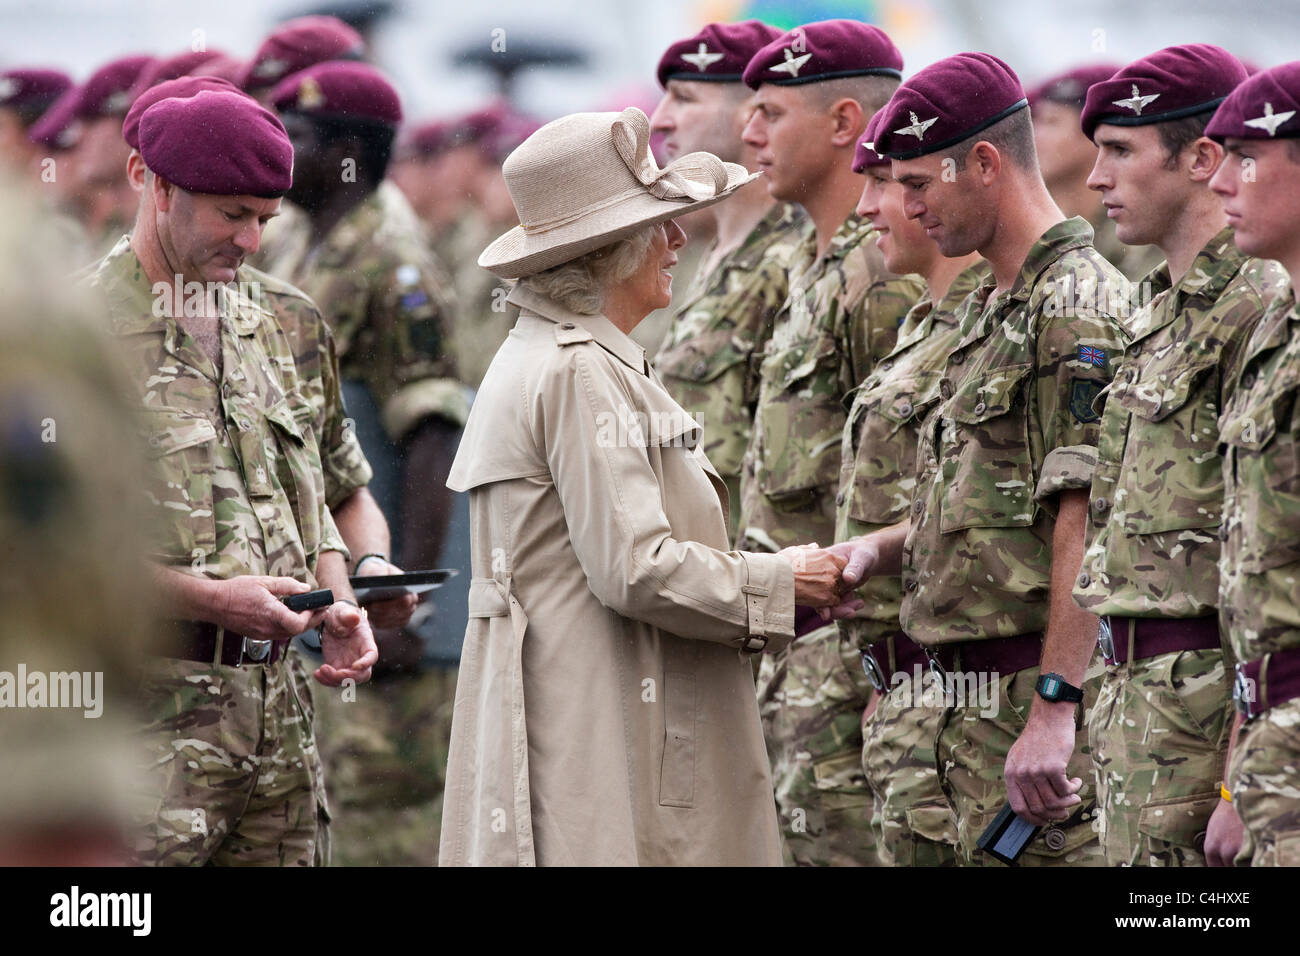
1243 694
1106 640
874 674
256 650
936 668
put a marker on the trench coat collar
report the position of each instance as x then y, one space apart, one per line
606 334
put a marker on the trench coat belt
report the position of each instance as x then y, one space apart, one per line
488 598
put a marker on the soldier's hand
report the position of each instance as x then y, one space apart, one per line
860 558
816 575
1224 835
395 612
250 605
1037 787
347 645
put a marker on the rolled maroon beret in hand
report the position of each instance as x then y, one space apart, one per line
340 89
1265 106
825 50
719 53
1170 84
298 44
180 87
1071 87
864 154
219 142
947 102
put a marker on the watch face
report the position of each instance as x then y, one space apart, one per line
1051 687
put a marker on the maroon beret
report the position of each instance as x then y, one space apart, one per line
58 127
1071 88
947 102
340 89
437 136
720 52
219 142
825 50
108 91
171 67
1170 84
230 68
180 88
864 154
297 44
32 91
1266 106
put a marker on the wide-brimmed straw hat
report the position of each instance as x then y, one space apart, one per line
586 180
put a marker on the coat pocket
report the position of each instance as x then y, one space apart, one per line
1264 456
711 377
884 456
179 481
677 773
988 476
1181 821
802 419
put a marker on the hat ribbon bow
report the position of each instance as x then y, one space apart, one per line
694 176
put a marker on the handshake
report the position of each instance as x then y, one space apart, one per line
824 578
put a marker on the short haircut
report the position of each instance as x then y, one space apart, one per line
1176 135
871 92
1013 137
580 284
374 141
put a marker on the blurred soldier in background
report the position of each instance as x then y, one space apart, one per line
72 577
817 88
877 480
709 358
1150 568
25 96
1066 157
366 261
295 45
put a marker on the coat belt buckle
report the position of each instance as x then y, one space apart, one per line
874 674
1243 694
256 651
1106 640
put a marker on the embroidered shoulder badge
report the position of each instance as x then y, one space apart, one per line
1082 394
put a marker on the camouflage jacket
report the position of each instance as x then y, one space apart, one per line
234 478
708 361
388 303
1015 426
841 317
483 317
1157 493
1259 563
878 449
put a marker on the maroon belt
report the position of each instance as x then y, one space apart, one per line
197 641
1268 682
1153 636
1000 655
875 659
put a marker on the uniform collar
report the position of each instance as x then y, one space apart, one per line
1214 267
851 233
606 334
122 280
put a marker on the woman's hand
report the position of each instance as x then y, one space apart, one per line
816 575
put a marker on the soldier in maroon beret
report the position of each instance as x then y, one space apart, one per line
1066 155
295 45
366 260
816 88
1160 632
1259 184
169 68
995 531
25 96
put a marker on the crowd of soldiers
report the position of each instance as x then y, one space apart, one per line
1031 382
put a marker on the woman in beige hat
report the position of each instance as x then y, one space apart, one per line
605 710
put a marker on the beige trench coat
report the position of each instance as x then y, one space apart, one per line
605 710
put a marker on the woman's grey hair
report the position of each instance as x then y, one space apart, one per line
579 285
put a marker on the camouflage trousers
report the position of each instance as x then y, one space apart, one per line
918 827
384 745
1264 778
1159 736
232 775
811 704
972 748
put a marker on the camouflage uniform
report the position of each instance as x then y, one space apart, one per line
1258 565
483 318
842 316
709 359
1136 262
1015 427
877 478
1159 730
236 486
387 300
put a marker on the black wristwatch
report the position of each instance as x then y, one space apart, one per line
1053 688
